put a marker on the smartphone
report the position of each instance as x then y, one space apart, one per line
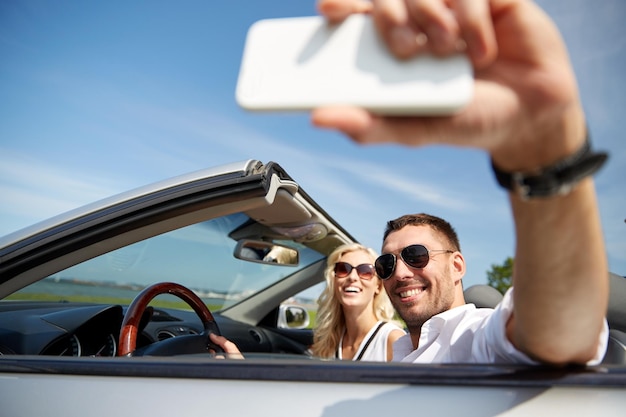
305 62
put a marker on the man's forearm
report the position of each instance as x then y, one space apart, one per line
560 276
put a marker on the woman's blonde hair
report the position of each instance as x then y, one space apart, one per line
330 320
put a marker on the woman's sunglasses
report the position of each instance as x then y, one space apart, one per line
416 256
364 271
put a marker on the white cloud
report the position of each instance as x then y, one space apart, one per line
33 190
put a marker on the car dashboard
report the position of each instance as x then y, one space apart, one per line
63 329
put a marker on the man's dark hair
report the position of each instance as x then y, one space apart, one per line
423 219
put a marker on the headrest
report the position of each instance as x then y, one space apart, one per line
482 296
616 314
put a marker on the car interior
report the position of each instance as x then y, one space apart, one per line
259 247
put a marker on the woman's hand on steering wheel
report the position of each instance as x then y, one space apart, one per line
230 349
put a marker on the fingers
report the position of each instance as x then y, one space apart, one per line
400 31
337 10
438 23
352 121
477 31
366 128
440 27
229 347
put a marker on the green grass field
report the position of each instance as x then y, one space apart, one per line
163 303
159 303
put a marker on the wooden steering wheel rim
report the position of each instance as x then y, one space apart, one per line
130 324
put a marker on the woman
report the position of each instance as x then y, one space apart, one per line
354 315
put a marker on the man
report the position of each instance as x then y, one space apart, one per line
422 269
526 113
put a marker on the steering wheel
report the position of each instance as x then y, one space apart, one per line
199 343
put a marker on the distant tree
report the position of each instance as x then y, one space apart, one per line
500 277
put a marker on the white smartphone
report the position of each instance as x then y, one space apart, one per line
305 62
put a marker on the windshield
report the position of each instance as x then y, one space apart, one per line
199 257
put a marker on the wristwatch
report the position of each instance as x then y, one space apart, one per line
557 179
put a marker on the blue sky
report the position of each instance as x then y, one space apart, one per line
100 97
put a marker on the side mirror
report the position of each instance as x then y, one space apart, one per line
292 317
266 252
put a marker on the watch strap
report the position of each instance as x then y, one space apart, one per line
557 179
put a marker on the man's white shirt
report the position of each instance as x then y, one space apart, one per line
467 334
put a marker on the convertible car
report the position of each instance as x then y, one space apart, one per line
106 310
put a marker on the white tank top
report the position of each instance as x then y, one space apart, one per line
374 345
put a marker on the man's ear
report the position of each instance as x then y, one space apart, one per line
458 266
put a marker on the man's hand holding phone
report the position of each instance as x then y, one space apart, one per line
525 109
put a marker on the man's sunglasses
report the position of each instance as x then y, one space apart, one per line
364 271
416 256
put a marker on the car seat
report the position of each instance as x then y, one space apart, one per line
616 316
482 296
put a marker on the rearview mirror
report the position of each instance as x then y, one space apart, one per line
266 252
